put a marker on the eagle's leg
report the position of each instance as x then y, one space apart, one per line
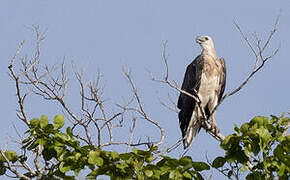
214 126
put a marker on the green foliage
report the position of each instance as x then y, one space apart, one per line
43 121
257 147
65 157
260 147
58 121
219 162
10 156
139 164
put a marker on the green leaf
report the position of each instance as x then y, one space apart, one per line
59 151
255 147
69 131
259 120
256 176
58 121
94 158
156 174
49 153
148 173
77 171
245 128
49 129
77 156
185 160
199 176
41 141
187 175
63 167
33 145
11 155
62 137
126 156
122 166
135 150
2 159
281 152
43 121
172 175
153 148
219 162
226 141
200 166
237 129
26 140
149 159
172 163
241 157
92 175
115 155
281 170
34 122
2 171
244 168
264 134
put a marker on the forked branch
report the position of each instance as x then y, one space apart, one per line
258 51
140 110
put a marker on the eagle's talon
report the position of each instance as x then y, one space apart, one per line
215 129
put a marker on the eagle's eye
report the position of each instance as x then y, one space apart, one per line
206 38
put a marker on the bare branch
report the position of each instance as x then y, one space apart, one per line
131 133
21 98
169 149
258 56
173 109
140 109
37 158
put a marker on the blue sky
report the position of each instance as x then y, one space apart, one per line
107 35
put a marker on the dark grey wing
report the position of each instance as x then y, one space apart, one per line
185 103
223 75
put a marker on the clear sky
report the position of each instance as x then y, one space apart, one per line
106 35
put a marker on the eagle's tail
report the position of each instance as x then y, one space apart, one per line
192 129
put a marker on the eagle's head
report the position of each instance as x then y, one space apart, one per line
206 43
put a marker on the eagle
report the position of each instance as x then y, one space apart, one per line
204 78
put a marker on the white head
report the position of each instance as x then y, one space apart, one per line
206 43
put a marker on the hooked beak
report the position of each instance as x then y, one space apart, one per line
199 39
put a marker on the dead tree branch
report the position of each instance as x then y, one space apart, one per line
15 76
140 110
258 55
51 84
258 51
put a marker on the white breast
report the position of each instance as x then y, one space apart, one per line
207 89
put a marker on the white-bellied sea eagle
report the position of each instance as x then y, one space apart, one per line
205 77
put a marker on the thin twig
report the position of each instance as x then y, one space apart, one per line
258 55
141 109
131 133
